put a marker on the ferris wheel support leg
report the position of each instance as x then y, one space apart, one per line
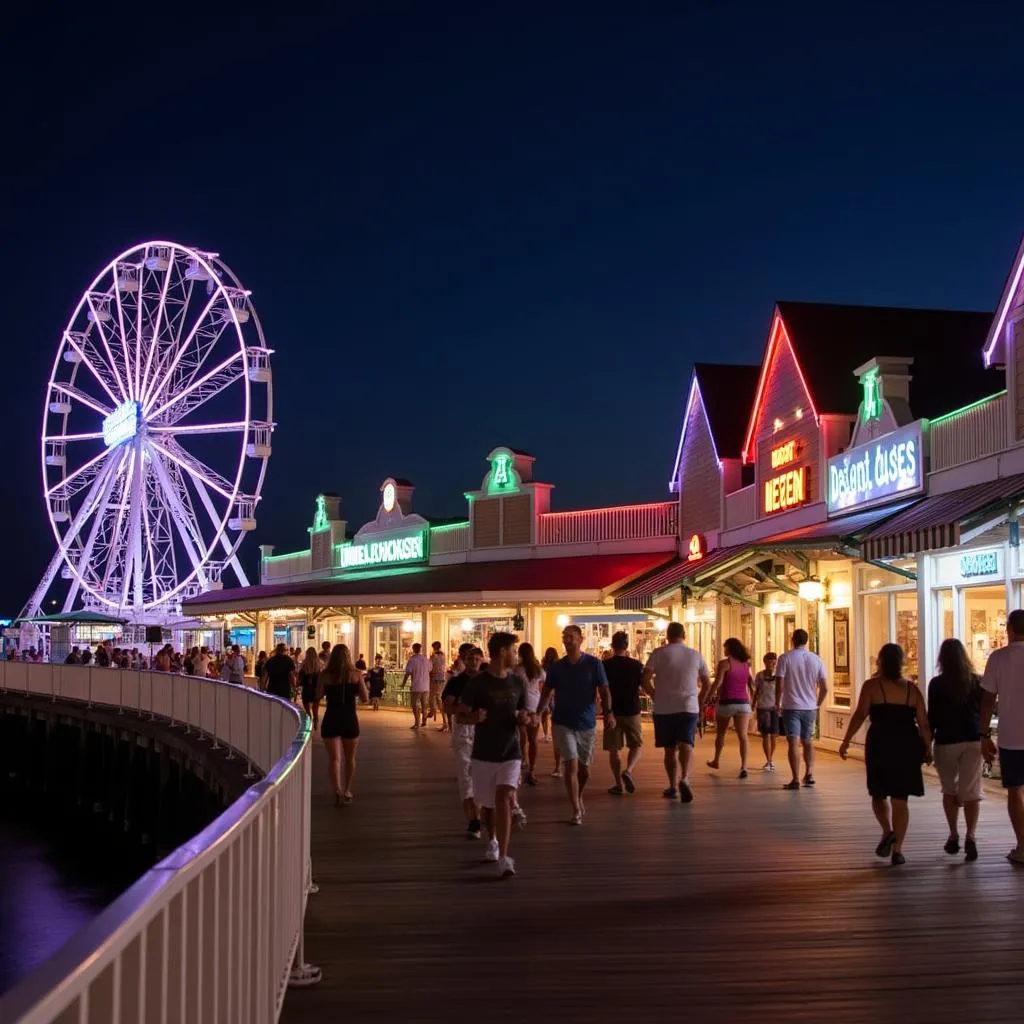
204 497
178 514
34 604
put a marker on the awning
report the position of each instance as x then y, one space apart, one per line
644 593
572 579
936 522
838 532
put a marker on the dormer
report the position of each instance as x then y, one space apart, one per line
504 511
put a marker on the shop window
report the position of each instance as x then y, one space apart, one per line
747 631
984 622
842 685
476 632
876 629
944 610
907 632
393 641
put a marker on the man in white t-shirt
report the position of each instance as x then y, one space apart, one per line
1004 681
418 670
201 666
800 691
438 675
681 682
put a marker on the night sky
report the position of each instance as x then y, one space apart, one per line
463 230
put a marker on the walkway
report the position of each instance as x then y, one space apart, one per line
752 904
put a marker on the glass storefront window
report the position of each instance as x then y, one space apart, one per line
984 622
907 632
944 608
475 631
393 641
876 629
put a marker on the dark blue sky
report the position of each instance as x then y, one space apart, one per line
464 230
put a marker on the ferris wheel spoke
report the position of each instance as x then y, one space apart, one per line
197 428
84 468
134 563
176 323
150 549
81 396
114 544
181 519
98 436
229 548
208 378
115 367
168 448
161 313
103 483
124 335
163 379
90 358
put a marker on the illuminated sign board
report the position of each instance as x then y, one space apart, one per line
979 563
786 491
698 548
388 499
121 425
784 454
877 472
389 551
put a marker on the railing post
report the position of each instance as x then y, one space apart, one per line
216 719
249 773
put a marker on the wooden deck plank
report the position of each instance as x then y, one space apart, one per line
751 904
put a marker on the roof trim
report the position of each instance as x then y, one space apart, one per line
695 391
1009 290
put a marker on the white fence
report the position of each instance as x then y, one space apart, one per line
979 430
208 935
741 507
625 522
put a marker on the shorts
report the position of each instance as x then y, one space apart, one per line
733 708
487 776
673 730
1011 767
959 768
462 749
799 723
767 721
419 699
627 732
575 744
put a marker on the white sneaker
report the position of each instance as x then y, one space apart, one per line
519 817
771 766
507 867
577 819
767 766
491 853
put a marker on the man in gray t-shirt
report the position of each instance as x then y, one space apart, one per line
800 692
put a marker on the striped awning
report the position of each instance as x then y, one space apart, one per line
936 522
644 593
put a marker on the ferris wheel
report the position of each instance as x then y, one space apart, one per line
157 429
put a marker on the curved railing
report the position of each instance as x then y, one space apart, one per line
210 933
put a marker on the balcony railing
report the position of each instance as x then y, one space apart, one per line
741 507
625 522
279 568
211 932
449 540
971 433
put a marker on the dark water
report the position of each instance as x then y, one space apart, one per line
49 888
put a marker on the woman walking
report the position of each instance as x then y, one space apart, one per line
732 687
342 684
954 713
550 657
530 672
309 672
898 741
375 679
767 717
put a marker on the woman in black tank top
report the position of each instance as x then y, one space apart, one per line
343 686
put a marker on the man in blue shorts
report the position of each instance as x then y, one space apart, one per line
799 693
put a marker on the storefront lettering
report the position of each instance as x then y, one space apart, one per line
875 472
979 563
784 454
786 491
385 552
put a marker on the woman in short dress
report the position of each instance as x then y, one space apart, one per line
530 672
731 692
309 672
550 657
341 683
375 679
898 741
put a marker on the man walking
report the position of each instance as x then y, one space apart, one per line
236 667
800 691
625 675
575 680
1004 681
680 685
463 734
279 673
418 670
495 701
437 677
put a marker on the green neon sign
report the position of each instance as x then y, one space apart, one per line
390 551
320 517
502 478
872 403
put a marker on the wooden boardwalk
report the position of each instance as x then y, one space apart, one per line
752 904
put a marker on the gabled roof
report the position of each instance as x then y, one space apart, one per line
831 340
726 391
994 353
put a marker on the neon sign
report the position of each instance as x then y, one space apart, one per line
698 548
320 517
502 478
784 454
876 472
979 563
121 425
389 496
393 551
872 404
786 490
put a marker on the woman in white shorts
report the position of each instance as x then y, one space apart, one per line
530 672
954 713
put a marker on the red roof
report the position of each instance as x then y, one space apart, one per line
643 593
526 576
935 522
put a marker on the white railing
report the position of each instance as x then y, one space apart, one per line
449 540
624 522
208 935
279 568
740 507
977 431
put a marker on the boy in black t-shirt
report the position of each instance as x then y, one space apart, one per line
495 701
470 658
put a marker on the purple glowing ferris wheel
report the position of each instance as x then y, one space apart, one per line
157 425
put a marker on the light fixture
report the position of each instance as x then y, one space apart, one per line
777 425
799 414
661 625
346 627
562 621
811 590
410 626
874 582
467 625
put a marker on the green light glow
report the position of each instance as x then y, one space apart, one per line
967 408
502 478
320 518
290 554
872 404
413 548
450 526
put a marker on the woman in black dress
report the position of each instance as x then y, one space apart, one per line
342 684
309 672
898 741
376 679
